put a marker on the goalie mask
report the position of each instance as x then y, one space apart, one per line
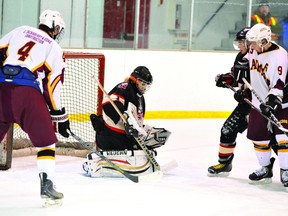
142 77
260 35
54 21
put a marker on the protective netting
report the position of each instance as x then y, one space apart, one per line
80 96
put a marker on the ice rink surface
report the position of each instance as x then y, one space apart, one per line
185 190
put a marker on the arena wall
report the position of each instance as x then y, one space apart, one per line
184 82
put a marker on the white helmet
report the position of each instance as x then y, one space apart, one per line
259 33
52 19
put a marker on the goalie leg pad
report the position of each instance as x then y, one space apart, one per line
132 161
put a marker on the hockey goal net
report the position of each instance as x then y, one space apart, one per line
80 96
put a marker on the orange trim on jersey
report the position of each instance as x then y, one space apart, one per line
55 82
36 68
5 46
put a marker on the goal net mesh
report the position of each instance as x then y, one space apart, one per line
81 97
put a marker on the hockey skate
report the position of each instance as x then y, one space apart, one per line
284 178
264 174
49 195
221 169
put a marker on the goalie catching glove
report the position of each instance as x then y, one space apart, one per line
60 122
156 137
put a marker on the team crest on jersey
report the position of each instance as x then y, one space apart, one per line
123 85
259 67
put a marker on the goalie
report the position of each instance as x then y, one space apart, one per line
117 137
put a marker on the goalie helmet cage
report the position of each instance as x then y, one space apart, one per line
80 95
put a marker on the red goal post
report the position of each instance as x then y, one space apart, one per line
80 95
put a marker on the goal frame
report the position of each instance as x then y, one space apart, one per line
6 146
101 57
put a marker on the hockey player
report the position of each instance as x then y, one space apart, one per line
31 75
237 121
268 70
116 139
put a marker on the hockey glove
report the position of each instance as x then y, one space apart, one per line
60 122
241 70
130 130
156 137
240 96
272 104
222 79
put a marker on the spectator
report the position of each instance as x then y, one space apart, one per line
263 15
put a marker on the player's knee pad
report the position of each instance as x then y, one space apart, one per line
156 137
133 161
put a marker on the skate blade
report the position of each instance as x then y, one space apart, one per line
261 182
48 202
222 174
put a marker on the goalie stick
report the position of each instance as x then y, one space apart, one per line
142 145
272 117
133 178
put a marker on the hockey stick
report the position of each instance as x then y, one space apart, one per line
274 147
142 145
272 118
133 178
254 107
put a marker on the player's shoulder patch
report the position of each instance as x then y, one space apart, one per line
122 85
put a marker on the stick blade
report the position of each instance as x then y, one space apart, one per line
151 176
169 166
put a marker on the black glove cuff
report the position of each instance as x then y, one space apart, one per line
58 112
59 115
273 101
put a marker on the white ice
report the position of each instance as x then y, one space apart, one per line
185 190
